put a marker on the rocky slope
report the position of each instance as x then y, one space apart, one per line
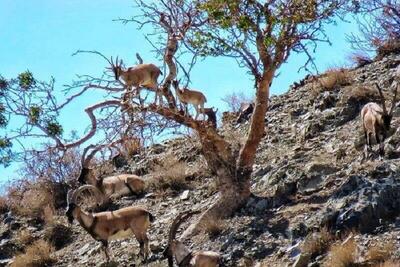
309 174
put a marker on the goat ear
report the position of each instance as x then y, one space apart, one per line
394 98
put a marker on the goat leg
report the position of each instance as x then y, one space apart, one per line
197 111
381 146
104 244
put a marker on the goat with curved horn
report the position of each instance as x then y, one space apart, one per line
110 225
141 75
376 121
100 198
112 186
183 256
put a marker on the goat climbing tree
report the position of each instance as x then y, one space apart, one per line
259 35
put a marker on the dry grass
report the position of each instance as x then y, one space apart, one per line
342 254
334 78
317 243
31 200
58 234
388 264
387 48
170 173
213 227
131 147
23 237
380 252
36 255
358 96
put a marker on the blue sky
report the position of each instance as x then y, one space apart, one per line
41 35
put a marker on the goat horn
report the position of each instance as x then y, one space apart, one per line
69 196
394 99
382 98
177 222
98 194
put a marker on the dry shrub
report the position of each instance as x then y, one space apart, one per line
360 59
170 173
131 147
317 243
235 138
391 46
334 78
36 255
342 254
23 237
389 264
235 99
3 205
213 227
380 252
362 93
58 234
31 200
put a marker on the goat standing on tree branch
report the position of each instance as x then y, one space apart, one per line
186 96
376 121
111 225
183 256
142 75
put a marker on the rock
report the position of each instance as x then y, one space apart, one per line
320 168
262 205
315 173
9 218
298 230
5 262
83 249
326 100
156 247
367 204
185 195
7 249
262 171
302 260
294 250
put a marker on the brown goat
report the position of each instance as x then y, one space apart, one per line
142 75
376 122
186 96
183 256
112 186
111 225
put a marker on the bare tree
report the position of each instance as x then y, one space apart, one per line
379 24
260 36
234 100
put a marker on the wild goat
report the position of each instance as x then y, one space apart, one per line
112 186
376 121
186 96
142 75
111 225
183 256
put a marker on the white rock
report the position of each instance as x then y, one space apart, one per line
185 195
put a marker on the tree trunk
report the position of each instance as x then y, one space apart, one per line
233 174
